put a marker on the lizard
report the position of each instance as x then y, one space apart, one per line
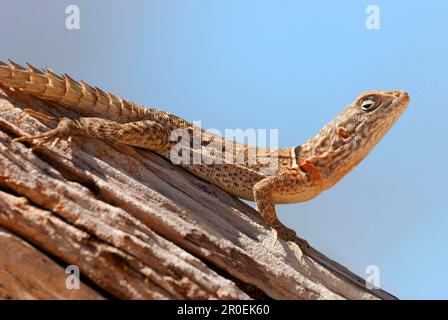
300 173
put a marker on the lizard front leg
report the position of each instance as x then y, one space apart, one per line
299 184
145 134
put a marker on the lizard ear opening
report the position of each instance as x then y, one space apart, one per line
342 134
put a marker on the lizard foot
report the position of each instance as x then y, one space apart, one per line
284 232
289 235
63 129
55 133
42 136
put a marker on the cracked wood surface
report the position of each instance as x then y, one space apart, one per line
137 227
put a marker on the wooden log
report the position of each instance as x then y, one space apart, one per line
138 227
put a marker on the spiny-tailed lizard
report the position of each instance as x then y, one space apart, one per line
300 174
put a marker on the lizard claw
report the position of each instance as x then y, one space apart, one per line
289 235
55 142
27 139
42 136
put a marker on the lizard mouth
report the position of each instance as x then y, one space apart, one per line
404 96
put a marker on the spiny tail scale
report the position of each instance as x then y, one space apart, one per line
63 90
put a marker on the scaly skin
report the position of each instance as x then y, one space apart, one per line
299 173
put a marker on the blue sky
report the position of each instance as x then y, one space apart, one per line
290 66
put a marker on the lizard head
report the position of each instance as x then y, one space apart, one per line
352 134
361 125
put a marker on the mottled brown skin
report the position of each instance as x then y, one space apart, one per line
301 173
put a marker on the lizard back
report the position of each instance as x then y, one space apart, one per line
91 101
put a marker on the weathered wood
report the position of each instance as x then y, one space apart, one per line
139 227
27 273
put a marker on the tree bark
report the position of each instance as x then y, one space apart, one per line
137 227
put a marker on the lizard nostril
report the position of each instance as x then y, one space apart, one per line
395 93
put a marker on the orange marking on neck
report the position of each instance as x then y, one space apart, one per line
313 172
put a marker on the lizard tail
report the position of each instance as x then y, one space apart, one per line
63 90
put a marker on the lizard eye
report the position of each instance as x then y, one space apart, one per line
369 104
